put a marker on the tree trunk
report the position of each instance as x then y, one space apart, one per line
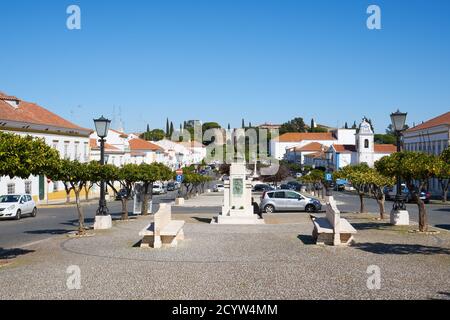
148 190
67 193
362 209
380 201
80 212
86 193
444 186
423 223
445 195
124 208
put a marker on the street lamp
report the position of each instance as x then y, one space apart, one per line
398 126
102 127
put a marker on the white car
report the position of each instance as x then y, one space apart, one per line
158 188
17 205
219 188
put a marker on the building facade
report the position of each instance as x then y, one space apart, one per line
70 140
432 137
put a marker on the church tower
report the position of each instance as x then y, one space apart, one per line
365 144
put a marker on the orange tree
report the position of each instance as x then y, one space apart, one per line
415 169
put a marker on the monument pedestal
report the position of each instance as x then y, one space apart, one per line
399 218
103 222
237 203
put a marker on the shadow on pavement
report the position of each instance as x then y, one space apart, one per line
306 239
204 220
443 226
383 248
372 225
6 254
443 209
49 231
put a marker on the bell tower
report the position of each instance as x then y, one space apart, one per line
365 143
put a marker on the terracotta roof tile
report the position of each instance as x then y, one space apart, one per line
385 148
300 136
140 144
440 120
313 146
344 148
32 113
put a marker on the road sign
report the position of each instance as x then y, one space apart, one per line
180 178
179 172
328 177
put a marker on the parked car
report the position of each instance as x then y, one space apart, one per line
294 185
262 188
288 200
171 186
17 205
121 194
391 192
158 188
219 188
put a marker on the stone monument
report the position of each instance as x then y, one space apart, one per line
237 203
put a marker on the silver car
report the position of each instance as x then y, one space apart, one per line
288 200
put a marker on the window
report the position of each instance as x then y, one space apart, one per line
11 188
85 151
77 156
66 150
55 144
279 195
28 187
293 195
366 144
55 186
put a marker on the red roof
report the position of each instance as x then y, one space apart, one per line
122 134
440 120
344 148
140 144
385 148
300 136
32 113
108 147
313 146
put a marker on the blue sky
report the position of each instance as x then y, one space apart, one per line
218 60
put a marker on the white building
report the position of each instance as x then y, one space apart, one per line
286 142
432 137
362 150
26 118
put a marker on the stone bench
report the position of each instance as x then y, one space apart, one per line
332 230
163 230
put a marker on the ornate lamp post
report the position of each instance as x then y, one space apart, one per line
102 219
399 215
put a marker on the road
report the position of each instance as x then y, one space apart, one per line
438 214
63 219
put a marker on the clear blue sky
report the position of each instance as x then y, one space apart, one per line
223 60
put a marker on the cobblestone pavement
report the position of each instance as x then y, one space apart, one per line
272 261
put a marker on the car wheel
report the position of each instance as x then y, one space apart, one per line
269 209
18 214
34 213
310 208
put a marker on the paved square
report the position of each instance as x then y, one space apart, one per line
272 261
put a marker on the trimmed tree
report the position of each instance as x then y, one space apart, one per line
24 156
148 174
415 169
359 176
126 176
76 175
